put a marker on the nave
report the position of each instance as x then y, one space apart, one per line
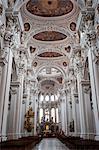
50 144
49 74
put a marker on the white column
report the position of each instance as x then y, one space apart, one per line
69 106
35 115
20 123
81 107
28 95
5 92
66 116
33 106
23 117
13 120
12 114
62 116
95 89
74 114
88 110
60 119
55 114
78 130
2 91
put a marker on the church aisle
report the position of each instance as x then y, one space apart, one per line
50 144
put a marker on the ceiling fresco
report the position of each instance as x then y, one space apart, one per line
50 54
49 8
49 36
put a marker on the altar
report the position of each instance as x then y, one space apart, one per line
48 128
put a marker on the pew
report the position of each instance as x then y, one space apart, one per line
78 143
24 143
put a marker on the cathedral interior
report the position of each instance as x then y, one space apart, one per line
49 74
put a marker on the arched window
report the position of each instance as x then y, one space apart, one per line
52 97
57 116
56 97
53 114
41 97
40 114
47 97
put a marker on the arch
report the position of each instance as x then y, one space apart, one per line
47 28
50 49
45 50
41 67
52 79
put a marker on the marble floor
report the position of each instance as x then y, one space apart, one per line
50 144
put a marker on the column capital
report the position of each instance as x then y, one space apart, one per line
14 87
15 84
86 85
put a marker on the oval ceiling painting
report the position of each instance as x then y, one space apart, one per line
49 36
49 8
50 54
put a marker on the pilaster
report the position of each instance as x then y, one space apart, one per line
6 61
14 109
91 43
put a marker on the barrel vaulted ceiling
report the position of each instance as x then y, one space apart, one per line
50 32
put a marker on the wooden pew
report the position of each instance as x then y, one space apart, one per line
23 143
79 143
